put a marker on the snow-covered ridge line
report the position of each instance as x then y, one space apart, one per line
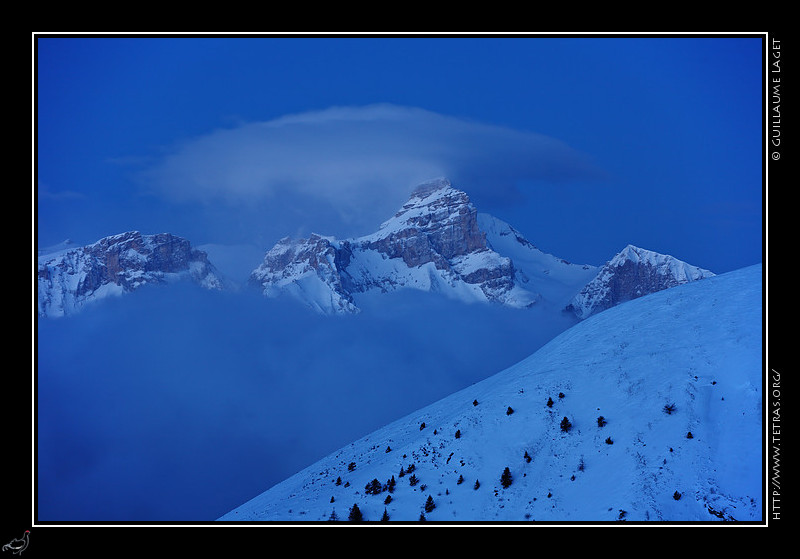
631 415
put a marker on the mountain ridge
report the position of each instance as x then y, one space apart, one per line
635 414
436 242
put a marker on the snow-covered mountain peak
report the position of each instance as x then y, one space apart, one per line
632 273
427 188
433 243
432 204
72 277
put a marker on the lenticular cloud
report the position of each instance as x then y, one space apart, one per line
350 156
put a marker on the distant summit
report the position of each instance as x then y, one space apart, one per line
70 277
632 273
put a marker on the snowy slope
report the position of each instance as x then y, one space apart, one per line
556 279
676 375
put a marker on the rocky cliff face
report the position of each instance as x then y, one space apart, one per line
632 273
310 269
70 278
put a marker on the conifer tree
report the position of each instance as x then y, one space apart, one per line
355 514
373 487
505 479
429 504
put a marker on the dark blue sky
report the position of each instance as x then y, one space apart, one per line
583 144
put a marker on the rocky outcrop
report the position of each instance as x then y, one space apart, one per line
437 224
311 269
631 274
70 278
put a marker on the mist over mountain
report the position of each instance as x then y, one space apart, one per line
179 402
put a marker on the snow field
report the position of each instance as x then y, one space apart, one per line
696 346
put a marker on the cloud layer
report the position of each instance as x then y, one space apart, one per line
360 162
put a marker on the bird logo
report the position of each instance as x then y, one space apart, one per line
18 545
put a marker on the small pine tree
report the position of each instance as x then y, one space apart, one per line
421 426
333 517
391 484
429 504
549 402
460 480
385 516
402 472
458 433
669 409
339 480
477 484
565 424
351 466
510 410
601 421
422 517
387 500
355 514
506 479
527 457
676 495
474 402
413 480
689 435
373 487
609 441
